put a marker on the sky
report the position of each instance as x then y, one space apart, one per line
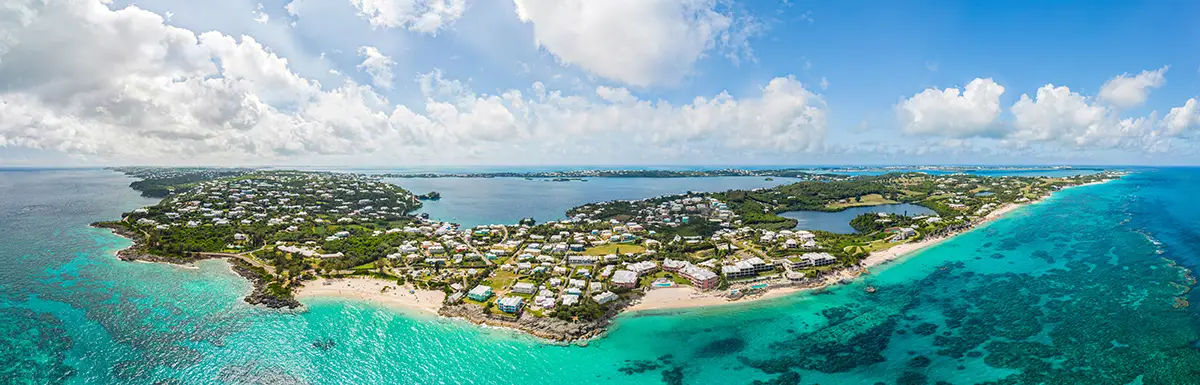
598 82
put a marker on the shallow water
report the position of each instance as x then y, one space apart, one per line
1075 290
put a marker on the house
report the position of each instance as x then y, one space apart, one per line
605 297
524 288
581 260
624 278
480 293
510 304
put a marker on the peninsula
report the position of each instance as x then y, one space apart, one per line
296 233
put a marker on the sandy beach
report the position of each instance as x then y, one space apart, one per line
372 289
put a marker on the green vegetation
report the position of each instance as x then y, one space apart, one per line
614 248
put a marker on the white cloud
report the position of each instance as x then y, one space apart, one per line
639 42
1058 115
378 65
260 16
824 83
1128 91
1183 118
123 85
424 16
952 112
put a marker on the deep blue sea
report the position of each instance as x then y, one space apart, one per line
1084 288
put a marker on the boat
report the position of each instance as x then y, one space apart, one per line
870 289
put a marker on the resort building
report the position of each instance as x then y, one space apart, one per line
605 297
701 278
813 259
643 268
510 304
673 265
480 293
746 268
625 278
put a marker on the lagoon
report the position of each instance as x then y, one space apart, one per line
839 221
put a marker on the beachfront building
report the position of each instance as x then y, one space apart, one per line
643 267
625 278
510 305
673 265
701 278
812 260
524 288
605 297
480 293
745 268
904 233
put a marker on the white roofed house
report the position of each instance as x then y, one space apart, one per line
605 297
524 288
643 268
625 278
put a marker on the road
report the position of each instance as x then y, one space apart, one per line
244 256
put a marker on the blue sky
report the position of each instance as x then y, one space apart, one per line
452 82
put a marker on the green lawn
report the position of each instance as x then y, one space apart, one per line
501 280
867 200
614 248
675 277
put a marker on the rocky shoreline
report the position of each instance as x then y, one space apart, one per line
259 296
546 328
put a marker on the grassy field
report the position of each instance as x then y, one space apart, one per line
867 200
614 248
501 280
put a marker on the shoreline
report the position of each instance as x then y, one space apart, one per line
686 297
424 302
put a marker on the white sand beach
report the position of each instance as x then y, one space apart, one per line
373 290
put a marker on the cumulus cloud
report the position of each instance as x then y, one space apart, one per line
1059 115
638 42
378 65
1128 91
953 112
122 84
1183 118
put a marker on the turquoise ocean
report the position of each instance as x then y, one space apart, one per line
1083 288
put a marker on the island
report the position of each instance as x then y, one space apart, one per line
298 234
